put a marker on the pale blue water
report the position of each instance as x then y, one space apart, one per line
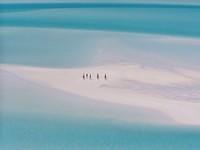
146 18
43 35
42 47
54 134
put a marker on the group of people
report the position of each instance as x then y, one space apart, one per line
89 76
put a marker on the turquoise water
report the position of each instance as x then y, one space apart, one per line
93 33
161 19
51 134
48 47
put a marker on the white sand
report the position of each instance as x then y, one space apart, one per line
114 90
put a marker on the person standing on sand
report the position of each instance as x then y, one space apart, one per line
86 76
105 76
83 76
90 76
97 76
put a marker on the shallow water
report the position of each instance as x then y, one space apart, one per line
36 40
78 48
93 33
35 133
149 18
